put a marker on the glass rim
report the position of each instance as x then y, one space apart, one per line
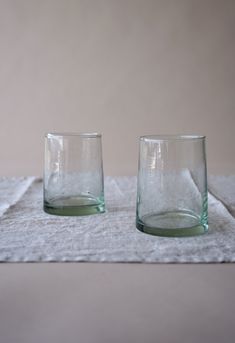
171 137
73 134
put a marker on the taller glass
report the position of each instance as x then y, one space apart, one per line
172 185
73 174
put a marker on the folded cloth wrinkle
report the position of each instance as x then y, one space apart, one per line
11 191
223 188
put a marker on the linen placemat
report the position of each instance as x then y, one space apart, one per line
28 234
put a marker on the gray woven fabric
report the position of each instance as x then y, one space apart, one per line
29 234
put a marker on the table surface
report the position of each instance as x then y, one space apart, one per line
113 303
93 302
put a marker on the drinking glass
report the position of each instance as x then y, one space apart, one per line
172 185
73 174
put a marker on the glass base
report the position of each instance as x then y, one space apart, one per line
172 224
74 206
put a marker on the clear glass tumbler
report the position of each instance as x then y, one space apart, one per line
172 185
73 174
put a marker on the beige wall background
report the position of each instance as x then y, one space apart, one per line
123 68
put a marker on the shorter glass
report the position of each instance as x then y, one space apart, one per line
73 174
172 186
